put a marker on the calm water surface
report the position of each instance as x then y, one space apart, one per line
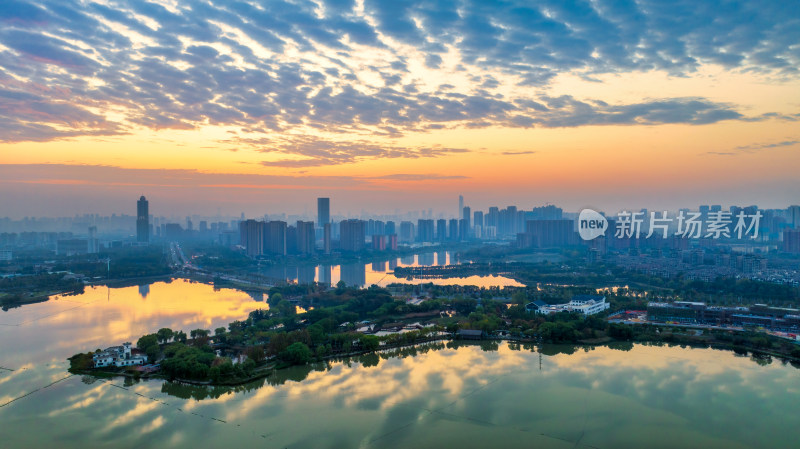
460 396
381 272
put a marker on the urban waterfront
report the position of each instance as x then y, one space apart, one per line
380 272
626 395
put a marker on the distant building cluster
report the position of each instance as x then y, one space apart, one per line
759 315
583 304
767 254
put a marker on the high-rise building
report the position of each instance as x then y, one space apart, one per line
94 245
425 230
326 239
791 241
305 237
453 228
467 219
251 237
460 206
548 233
352 234
441 229
142 220
793 216
378 242
275 238
406 231
323 211
493 217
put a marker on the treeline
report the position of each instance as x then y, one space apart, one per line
129 262
19 290
328 328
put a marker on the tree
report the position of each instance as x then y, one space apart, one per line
286 309
180 336
199 333
219 334
620 331
147 341
274 298
370 342
297 354
164 334
277 343
256 354
519 298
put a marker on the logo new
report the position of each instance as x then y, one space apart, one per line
591 224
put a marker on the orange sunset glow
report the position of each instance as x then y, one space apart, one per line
250 107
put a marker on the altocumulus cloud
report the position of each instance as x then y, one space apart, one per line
68 66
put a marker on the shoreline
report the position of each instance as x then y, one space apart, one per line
273 367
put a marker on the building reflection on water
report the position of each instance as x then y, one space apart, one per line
379 266
426 259
324 276
354 274
257 296
306 274
378 272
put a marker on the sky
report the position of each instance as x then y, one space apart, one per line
262 106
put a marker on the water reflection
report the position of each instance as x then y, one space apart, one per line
379 266
324 275
51 331
473 395
354 274
426 259
379 272
256 296
306 274
144 290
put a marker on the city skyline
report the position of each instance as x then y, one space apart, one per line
590 104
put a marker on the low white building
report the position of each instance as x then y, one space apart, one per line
118 356
584 304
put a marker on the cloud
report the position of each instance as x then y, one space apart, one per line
109 176
762 146
294 67
417 177
517 153
756 147
313 152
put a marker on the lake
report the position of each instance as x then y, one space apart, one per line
380 272
490 395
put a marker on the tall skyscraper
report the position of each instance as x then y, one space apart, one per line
142 220
323 211
467 222
460 206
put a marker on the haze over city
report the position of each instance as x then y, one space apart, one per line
238 107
